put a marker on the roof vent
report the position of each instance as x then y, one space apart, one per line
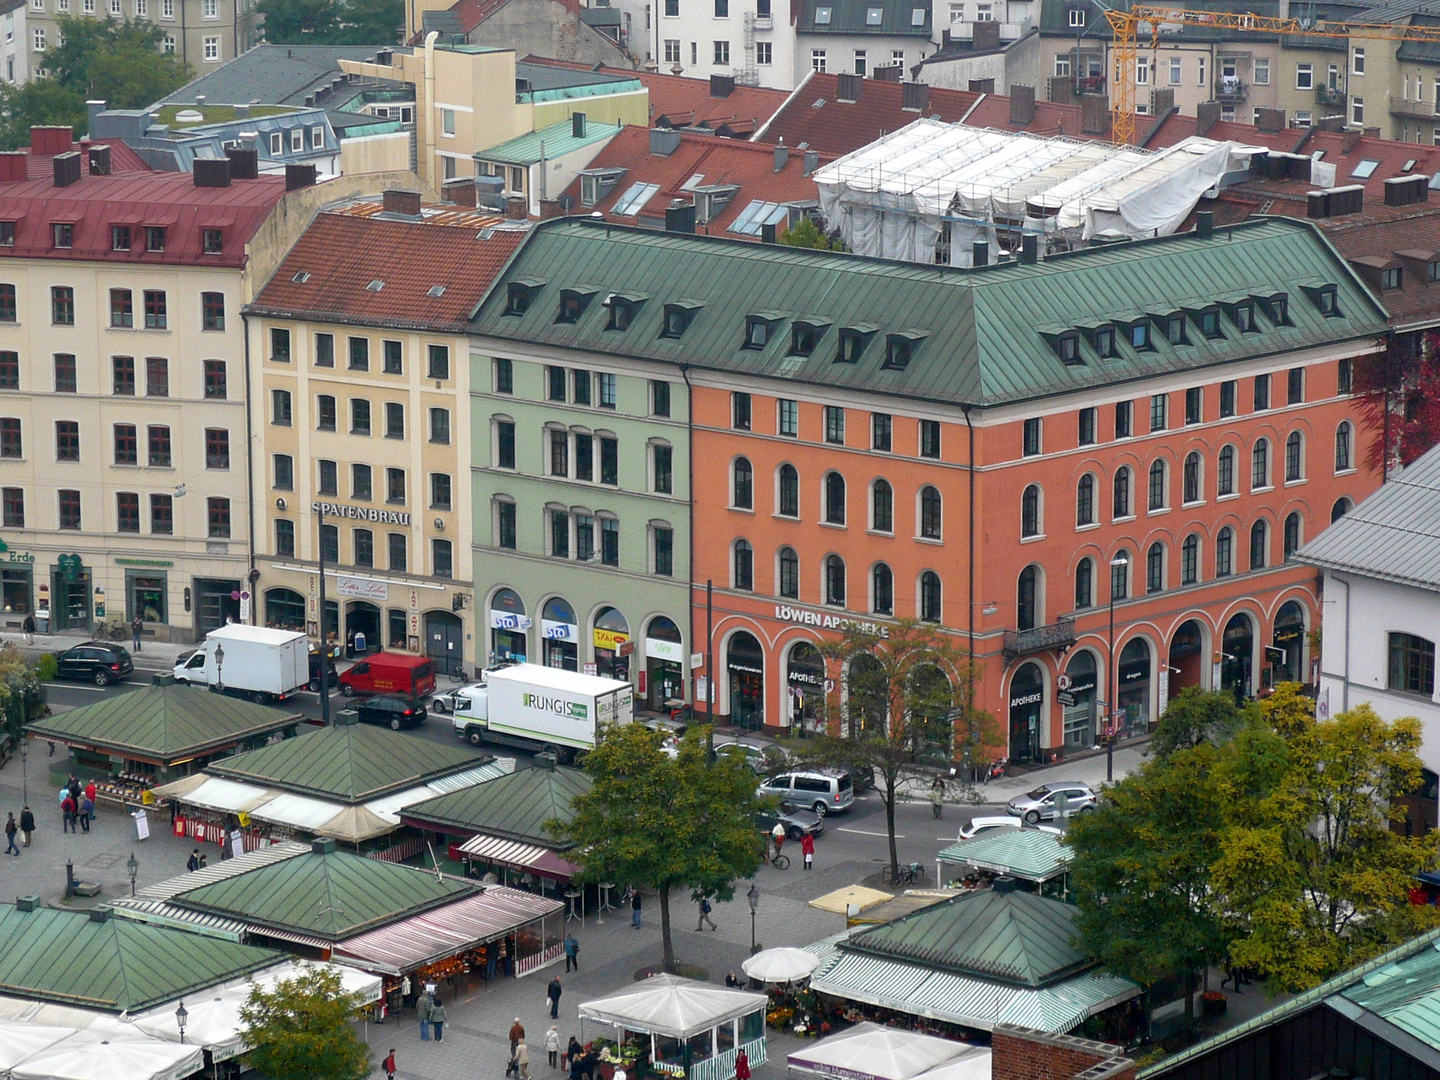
664 142
27 903
67 168
577 125
100 160
399 201
782 155
915 96
244 164
848 87
1029 249
1204 223
299 176
544 761
189 116
680 219
212 172
322 845
812 161
980 253
722 86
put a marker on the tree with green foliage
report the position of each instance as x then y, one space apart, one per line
668 823
332 22
808 234
301 1029
909 698
35 104
1195 716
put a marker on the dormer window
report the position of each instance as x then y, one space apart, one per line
519 295
1067 346
900 349
1243 316
623 310
822 15
1175 329
7 234
1104 343
63 234
1432 268
1210 324
154 237
853 340
212 241
874 16
804 336
119 237
1277 309
573 303
1140 336
758 330
678 318
595 184
1392 277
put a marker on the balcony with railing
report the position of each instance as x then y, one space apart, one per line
1090 84
1420 110
1230 90
1056 635
1329 95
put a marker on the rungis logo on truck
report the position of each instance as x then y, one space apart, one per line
576 710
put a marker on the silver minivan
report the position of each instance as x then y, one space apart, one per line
825 790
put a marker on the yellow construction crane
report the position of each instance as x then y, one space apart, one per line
1130 24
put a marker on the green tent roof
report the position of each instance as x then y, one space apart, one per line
1009 936
164 723
118 964
328 894
548 143
515 807
982 330
1029 854
350 763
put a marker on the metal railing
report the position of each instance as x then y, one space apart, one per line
1057 635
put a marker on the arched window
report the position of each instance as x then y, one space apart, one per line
1192 492
835 580
1292 534
882 590
1190 560
1120 575
1084 584
930 515
834 499
1259 541
1158 495
1027 599
1344 439
1224 552
1085 500
1122 507
930 597
742 487
1260 465
788 502
882 507
1340 509
1294 457
1155 568
1030 511
788 574
1225 472
744 565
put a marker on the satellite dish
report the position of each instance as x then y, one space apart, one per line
566 202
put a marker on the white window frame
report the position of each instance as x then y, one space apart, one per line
817 61
1176 70
1062 67
1262 67
317 137
721 49
38 39
277 143
297 140
672 50
167 9
764 53
212 50
1077 17
1304 76
1357 111
1357 61
1142 71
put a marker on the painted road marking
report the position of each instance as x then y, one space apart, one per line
866 832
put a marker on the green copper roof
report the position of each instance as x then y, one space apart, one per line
350 763
118 964
548 143
515 807
164 723
1030 854
1013 937
331 895
1406 993
978 335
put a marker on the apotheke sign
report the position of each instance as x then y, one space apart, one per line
826 621
362 513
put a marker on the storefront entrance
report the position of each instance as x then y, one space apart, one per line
1134 689
1237 659
1187 657
1290 639
508 623
613 647
1077 699
445 642
70 597
805 684
16 590
1027 699
664 663
215 603
559 635
145 597
362 628
745 671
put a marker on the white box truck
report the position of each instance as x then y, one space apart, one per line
541 708
249 661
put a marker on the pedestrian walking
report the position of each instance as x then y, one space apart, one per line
68 813
778 835
635 908
10 830
517 1036
573 1052
572 953
193 862
553 992
204 861
552 1046
438 1018
704 915
389 1065
522 1061
742 1066
136 629
807 848
27 824
937 797
29 627
422 1009
87 811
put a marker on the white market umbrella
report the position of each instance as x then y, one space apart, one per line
128 1060
19 1041
212 1023
781 965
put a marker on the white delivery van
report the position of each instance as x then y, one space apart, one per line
541 708
249 661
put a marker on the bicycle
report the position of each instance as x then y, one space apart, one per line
902 875
780 862
115 630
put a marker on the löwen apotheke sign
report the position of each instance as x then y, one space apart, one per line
362 513
826 621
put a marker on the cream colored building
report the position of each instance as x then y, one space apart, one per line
202 33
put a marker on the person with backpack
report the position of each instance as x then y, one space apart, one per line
572 953
68 812
87 811
705 915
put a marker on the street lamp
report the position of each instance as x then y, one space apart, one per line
220 668
1114 694
24 776
754 897
181 1015
133 865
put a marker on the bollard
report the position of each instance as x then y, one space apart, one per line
69 879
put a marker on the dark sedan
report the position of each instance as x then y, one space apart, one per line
99 662
396 711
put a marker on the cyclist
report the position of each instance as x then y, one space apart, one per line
778 835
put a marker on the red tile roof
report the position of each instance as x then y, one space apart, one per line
813 118
94 203
1410 239
993 111
344 253
122 159
715 161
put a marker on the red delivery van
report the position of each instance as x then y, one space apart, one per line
390 673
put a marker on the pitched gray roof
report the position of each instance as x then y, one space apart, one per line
272 75
1393 535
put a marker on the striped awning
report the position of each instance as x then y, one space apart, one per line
506 852
290 935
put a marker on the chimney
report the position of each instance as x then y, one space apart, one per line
1022 104
664 141
782 155
1204 224
980 253
1207 115
577 125
767 233
1094 115
55 139
399 201
1270 120
1329 123
1351 139
67 168
812 162
322 845
1004 884
985 36
848 87
93 109
212 172
680 219
461 191
722 86
200 101
915 96
1030 247
14 165
27 903
299 176
244 164
1333 202
516 208
100 160
1162 103
889 73
982 86
1061 89
1406 190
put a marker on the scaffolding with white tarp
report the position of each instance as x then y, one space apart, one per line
931 191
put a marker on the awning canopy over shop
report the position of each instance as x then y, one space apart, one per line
444 931
671 1005
518 856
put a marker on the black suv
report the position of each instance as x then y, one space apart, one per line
396 710
95 661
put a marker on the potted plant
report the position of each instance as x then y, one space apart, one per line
1213 1003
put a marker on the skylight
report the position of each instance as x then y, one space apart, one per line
634 199
917 16
874 15
375 286
301 277
822 16
1409 164
758 213
694 182
1365 169
436 290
